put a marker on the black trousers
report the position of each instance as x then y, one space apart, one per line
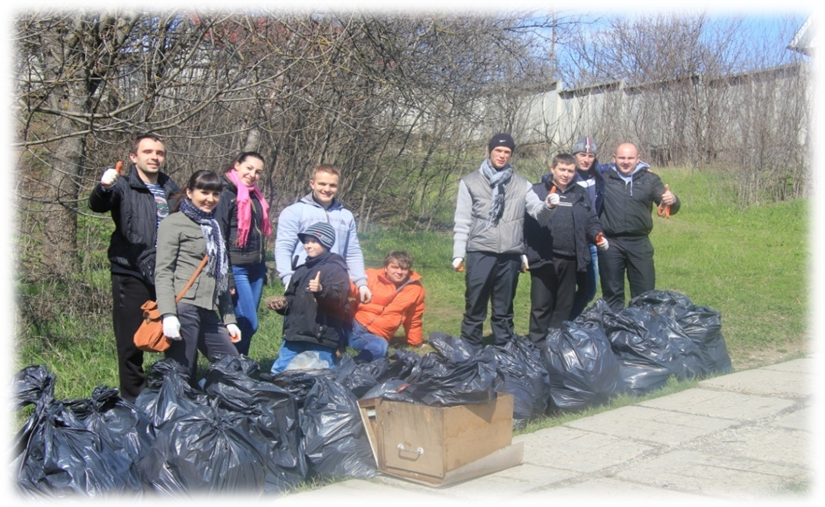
200 329
128 294
627 254
552 291
494 278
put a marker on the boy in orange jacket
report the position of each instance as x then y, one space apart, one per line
397 298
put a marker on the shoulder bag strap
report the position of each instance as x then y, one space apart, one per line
192 280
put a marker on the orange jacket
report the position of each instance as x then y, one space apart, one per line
391 306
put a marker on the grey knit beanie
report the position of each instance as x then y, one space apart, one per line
321 231
585 144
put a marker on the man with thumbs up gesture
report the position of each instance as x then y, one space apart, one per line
558 249
629 194
315 307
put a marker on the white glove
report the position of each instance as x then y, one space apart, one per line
457 263
552 200
602 245
366 295
234 333
525 264
109 177
171 327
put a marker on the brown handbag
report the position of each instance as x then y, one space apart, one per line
149 337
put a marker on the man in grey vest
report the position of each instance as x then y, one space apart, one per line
488 239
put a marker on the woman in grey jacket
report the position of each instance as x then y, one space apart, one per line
184 237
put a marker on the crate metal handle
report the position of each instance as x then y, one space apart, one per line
418 451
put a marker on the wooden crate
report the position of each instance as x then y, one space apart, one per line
441 445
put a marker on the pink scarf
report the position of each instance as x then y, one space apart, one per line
245 208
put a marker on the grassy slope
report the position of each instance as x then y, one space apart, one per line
749 265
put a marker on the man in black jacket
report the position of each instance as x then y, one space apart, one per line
138 202
557 249
630 190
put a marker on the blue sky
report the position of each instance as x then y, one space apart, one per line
775 21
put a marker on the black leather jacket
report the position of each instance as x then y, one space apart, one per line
132 245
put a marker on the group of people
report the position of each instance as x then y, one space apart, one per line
581 223
583 220
200 252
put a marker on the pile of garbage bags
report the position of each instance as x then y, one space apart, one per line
252 432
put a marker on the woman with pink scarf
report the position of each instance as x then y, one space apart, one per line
243 215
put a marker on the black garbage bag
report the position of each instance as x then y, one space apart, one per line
272 413
441 382
525 377
387 389
582 367
452 347
664 302
168 394
206 449
55 455
651 347
121 425
703 325
298 383
334 438
360 378
594 314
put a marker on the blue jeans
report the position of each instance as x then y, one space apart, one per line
249 286
291 349
368 345
586 284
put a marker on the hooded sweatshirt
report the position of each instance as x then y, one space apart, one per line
629 199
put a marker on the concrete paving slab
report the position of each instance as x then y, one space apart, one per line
801 419
572 449
722 404
714 475
603 487
358 492
802 365
767 443
507 484
651 425
764 382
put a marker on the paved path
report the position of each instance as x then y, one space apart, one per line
743 436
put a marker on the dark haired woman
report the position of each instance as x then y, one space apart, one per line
243 214
184 237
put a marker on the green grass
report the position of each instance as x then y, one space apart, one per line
759 267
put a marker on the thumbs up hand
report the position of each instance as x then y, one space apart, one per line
110 176
315 283
552 198
668 198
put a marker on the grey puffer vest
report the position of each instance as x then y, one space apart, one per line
508 235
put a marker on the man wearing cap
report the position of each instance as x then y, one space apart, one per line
315 303
488 239
588 178
630 190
